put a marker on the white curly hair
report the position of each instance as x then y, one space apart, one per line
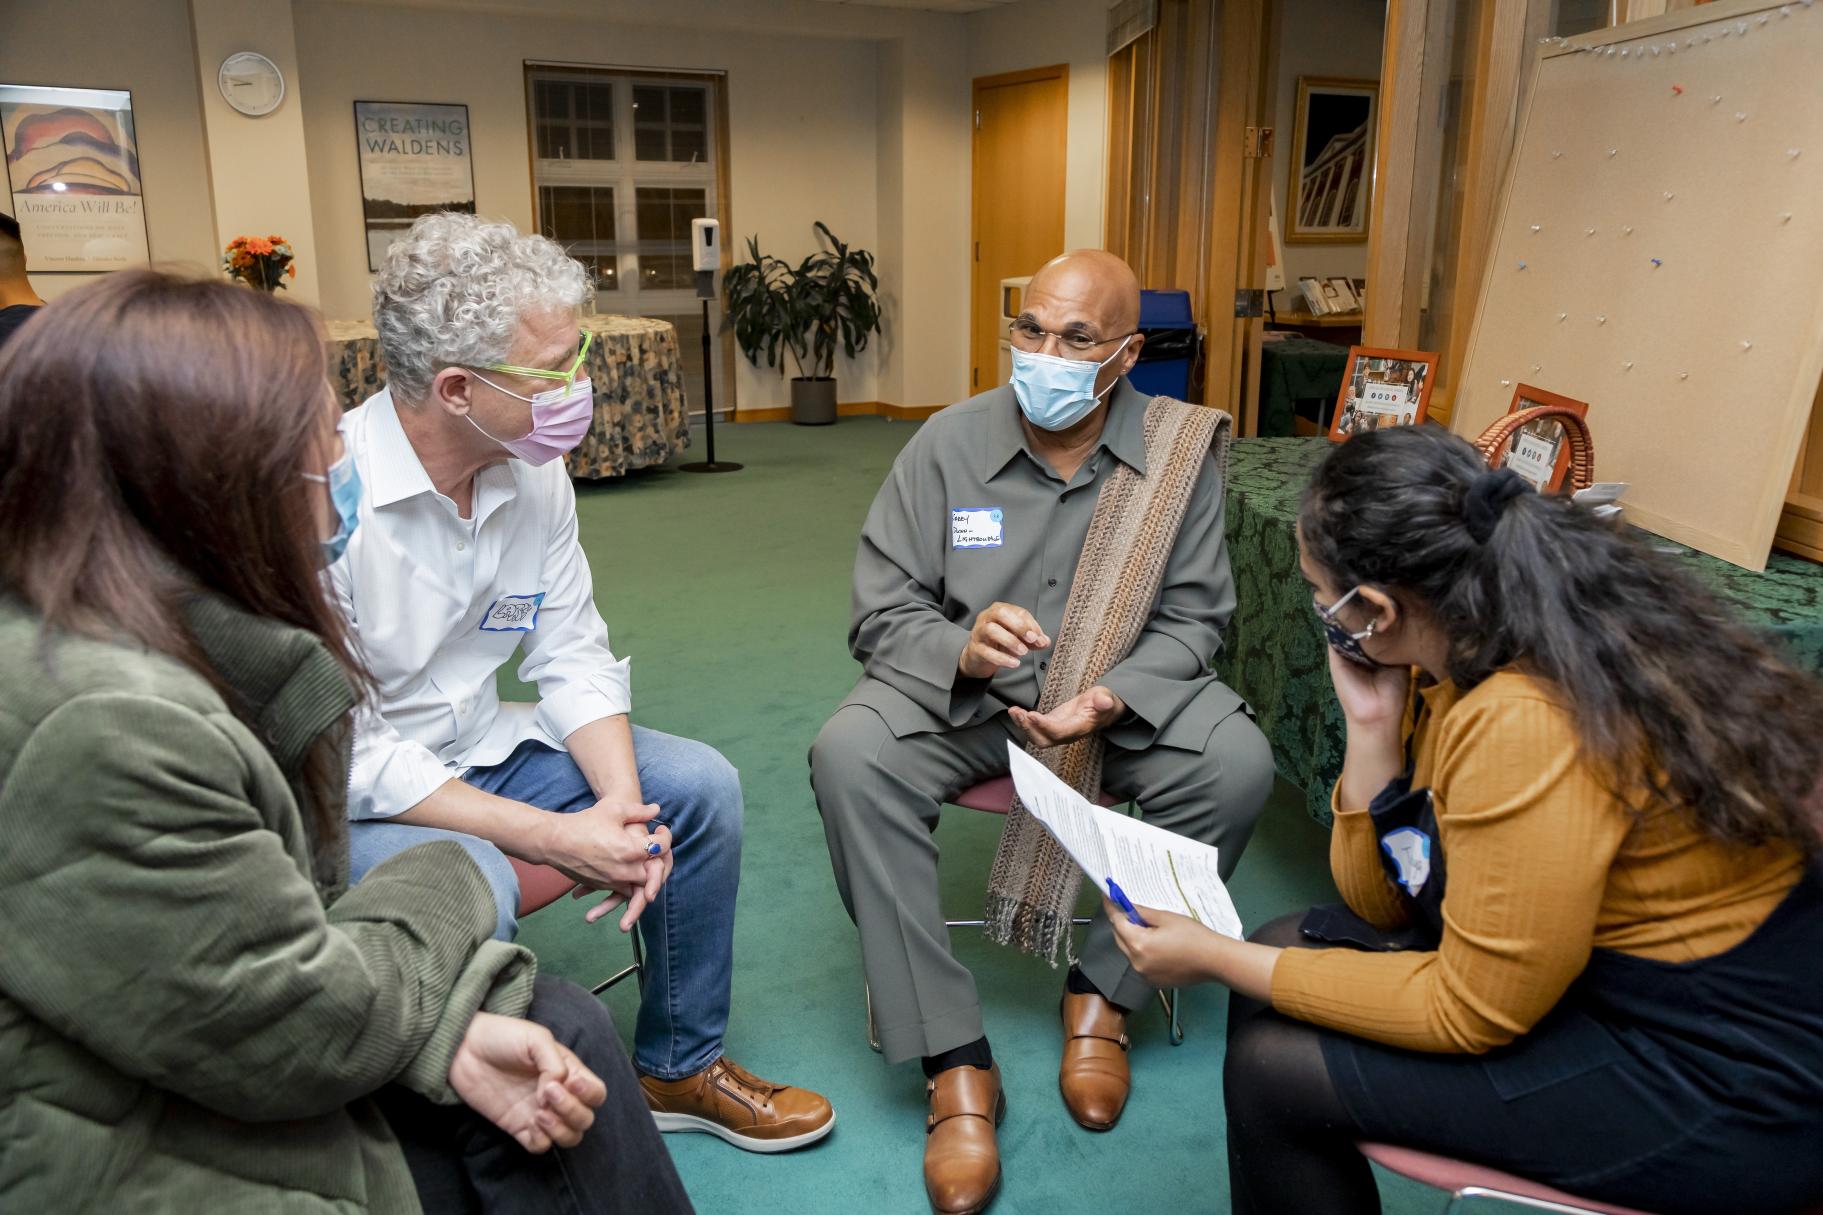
452 291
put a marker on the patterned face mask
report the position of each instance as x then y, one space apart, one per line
1343 642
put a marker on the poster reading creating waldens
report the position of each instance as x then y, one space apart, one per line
72 163
414 160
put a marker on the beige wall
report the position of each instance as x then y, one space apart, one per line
1039 33
856 115
1320 38
144 46
260 172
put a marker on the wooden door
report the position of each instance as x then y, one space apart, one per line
1021 123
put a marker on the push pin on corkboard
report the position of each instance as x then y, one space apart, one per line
1677 90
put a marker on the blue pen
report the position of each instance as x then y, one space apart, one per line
1120 900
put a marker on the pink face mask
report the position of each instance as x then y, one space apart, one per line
560 418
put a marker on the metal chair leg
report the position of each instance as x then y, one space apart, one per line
873 1032
637 970
1462 1198
1173 1001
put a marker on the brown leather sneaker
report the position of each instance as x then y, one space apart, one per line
961 1157
1094 1076
730 1102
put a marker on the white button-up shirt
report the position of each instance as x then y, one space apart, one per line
438 604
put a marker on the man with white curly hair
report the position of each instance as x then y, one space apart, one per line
466 552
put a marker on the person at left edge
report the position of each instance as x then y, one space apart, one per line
467 550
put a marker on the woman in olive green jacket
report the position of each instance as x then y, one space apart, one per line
196 1013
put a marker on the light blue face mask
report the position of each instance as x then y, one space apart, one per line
1055 393
344 482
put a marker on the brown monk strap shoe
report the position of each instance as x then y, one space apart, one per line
730 1102
1094 1076
961 1158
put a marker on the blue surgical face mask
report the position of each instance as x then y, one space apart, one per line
344 482
1054 393
1343 642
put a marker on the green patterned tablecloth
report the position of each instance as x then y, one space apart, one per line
1294 369
640 416
1274 656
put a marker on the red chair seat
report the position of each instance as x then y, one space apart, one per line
1453 1175
996 796
539 885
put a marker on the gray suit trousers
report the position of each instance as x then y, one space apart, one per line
880 796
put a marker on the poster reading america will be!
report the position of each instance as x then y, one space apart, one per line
414 160
72 163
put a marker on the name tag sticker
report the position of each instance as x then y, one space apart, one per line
512 614
976 527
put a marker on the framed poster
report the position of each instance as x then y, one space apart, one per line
72 162
1540 452
1332 160
414 161
1383 388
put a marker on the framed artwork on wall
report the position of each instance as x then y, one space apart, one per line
1383 388
414 161
1540 452
1332 160
72 163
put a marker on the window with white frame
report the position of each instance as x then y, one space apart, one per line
622 162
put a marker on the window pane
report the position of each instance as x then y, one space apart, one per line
581 219
574 119
670 123
664 213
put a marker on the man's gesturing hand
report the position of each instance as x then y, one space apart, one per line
1096 709
1003 634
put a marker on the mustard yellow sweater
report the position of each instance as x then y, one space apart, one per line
1544 865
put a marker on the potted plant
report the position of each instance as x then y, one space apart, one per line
828 300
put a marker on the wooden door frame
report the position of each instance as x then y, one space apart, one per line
1247 75
1059 72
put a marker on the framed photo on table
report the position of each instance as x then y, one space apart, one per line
1382 388
1540 452
72 162
1332 159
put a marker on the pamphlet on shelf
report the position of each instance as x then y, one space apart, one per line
1152 867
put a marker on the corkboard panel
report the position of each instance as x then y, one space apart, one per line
1699 370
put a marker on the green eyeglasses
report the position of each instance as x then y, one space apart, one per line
568 377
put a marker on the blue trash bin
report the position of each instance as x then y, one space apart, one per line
1172 344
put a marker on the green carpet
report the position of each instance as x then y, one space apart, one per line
730 593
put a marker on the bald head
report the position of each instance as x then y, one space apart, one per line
1091 285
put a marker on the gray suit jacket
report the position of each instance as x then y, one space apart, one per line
969 516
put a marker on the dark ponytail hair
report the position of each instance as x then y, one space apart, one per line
1673 697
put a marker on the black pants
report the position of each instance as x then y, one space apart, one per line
1291 1141
462 1163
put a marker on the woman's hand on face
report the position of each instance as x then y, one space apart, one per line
1171 951
1373 698
516 1075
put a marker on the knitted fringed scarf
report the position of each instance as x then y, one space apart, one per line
1032 888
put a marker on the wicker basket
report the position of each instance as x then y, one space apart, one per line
1495 440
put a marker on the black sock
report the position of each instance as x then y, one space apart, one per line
970 1054
1077 984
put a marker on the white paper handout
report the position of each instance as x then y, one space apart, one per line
1153 867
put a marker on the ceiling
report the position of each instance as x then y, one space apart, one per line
929 6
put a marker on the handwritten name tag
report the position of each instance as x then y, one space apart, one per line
512 614
976 527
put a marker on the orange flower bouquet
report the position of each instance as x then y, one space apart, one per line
260 261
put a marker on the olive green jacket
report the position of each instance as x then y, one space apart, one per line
193 1006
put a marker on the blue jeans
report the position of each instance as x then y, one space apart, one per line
688 932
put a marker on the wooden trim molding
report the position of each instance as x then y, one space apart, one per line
847 409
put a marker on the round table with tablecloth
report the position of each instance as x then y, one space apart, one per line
640 415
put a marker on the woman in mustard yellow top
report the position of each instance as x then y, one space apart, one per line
1577 832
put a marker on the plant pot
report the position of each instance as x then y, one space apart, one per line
813 400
